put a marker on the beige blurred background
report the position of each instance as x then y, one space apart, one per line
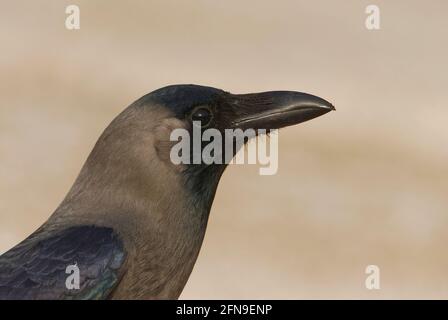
364 185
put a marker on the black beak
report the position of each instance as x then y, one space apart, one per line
277 109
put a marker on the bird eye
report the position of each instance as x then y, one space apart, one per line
203 115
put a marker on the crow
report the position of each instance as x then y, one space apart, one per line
132 224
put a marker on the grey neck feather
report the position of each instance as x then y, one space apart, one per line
124 185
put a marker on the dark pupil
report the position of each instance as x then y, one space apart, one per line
202 115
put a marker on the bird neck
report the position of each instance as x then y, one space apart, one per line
160 213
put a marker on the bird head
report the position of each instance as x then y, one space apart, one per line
195 108
133 158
